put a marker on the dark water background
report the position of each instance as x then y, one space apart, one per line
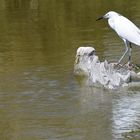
40 99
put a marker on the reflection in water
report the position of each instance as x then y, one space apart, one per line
39 97
21 4
95 107
113 115
126 114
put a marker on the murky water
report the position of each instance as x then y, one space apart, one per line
39 96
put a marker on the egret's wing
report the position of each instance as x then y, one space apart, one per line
127 30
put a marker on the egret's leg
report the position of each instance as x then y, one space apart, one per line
126 51
130 51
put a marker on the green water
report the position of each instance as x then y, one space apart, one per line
40 99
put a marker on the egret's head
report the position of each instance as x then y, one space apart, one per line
109 15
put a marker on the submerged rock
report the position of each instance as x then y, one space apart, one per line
109 75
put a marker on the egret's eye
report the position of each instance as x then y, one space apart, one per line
107 15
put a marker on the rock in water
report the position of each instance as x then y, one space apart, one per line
97 73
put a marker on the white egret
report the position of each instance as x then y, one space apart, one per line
126 30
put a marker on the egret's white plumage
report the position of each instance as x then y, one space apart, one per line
127 30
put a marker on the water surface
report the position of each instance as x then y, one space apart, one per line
39 96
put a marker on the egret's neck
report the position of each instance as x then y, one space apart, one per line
111 23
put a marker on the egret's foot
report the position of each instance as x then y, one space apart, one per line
117 65
137 67
127 65
131 66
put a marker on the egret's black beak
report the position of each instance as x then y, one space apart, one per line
99 18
